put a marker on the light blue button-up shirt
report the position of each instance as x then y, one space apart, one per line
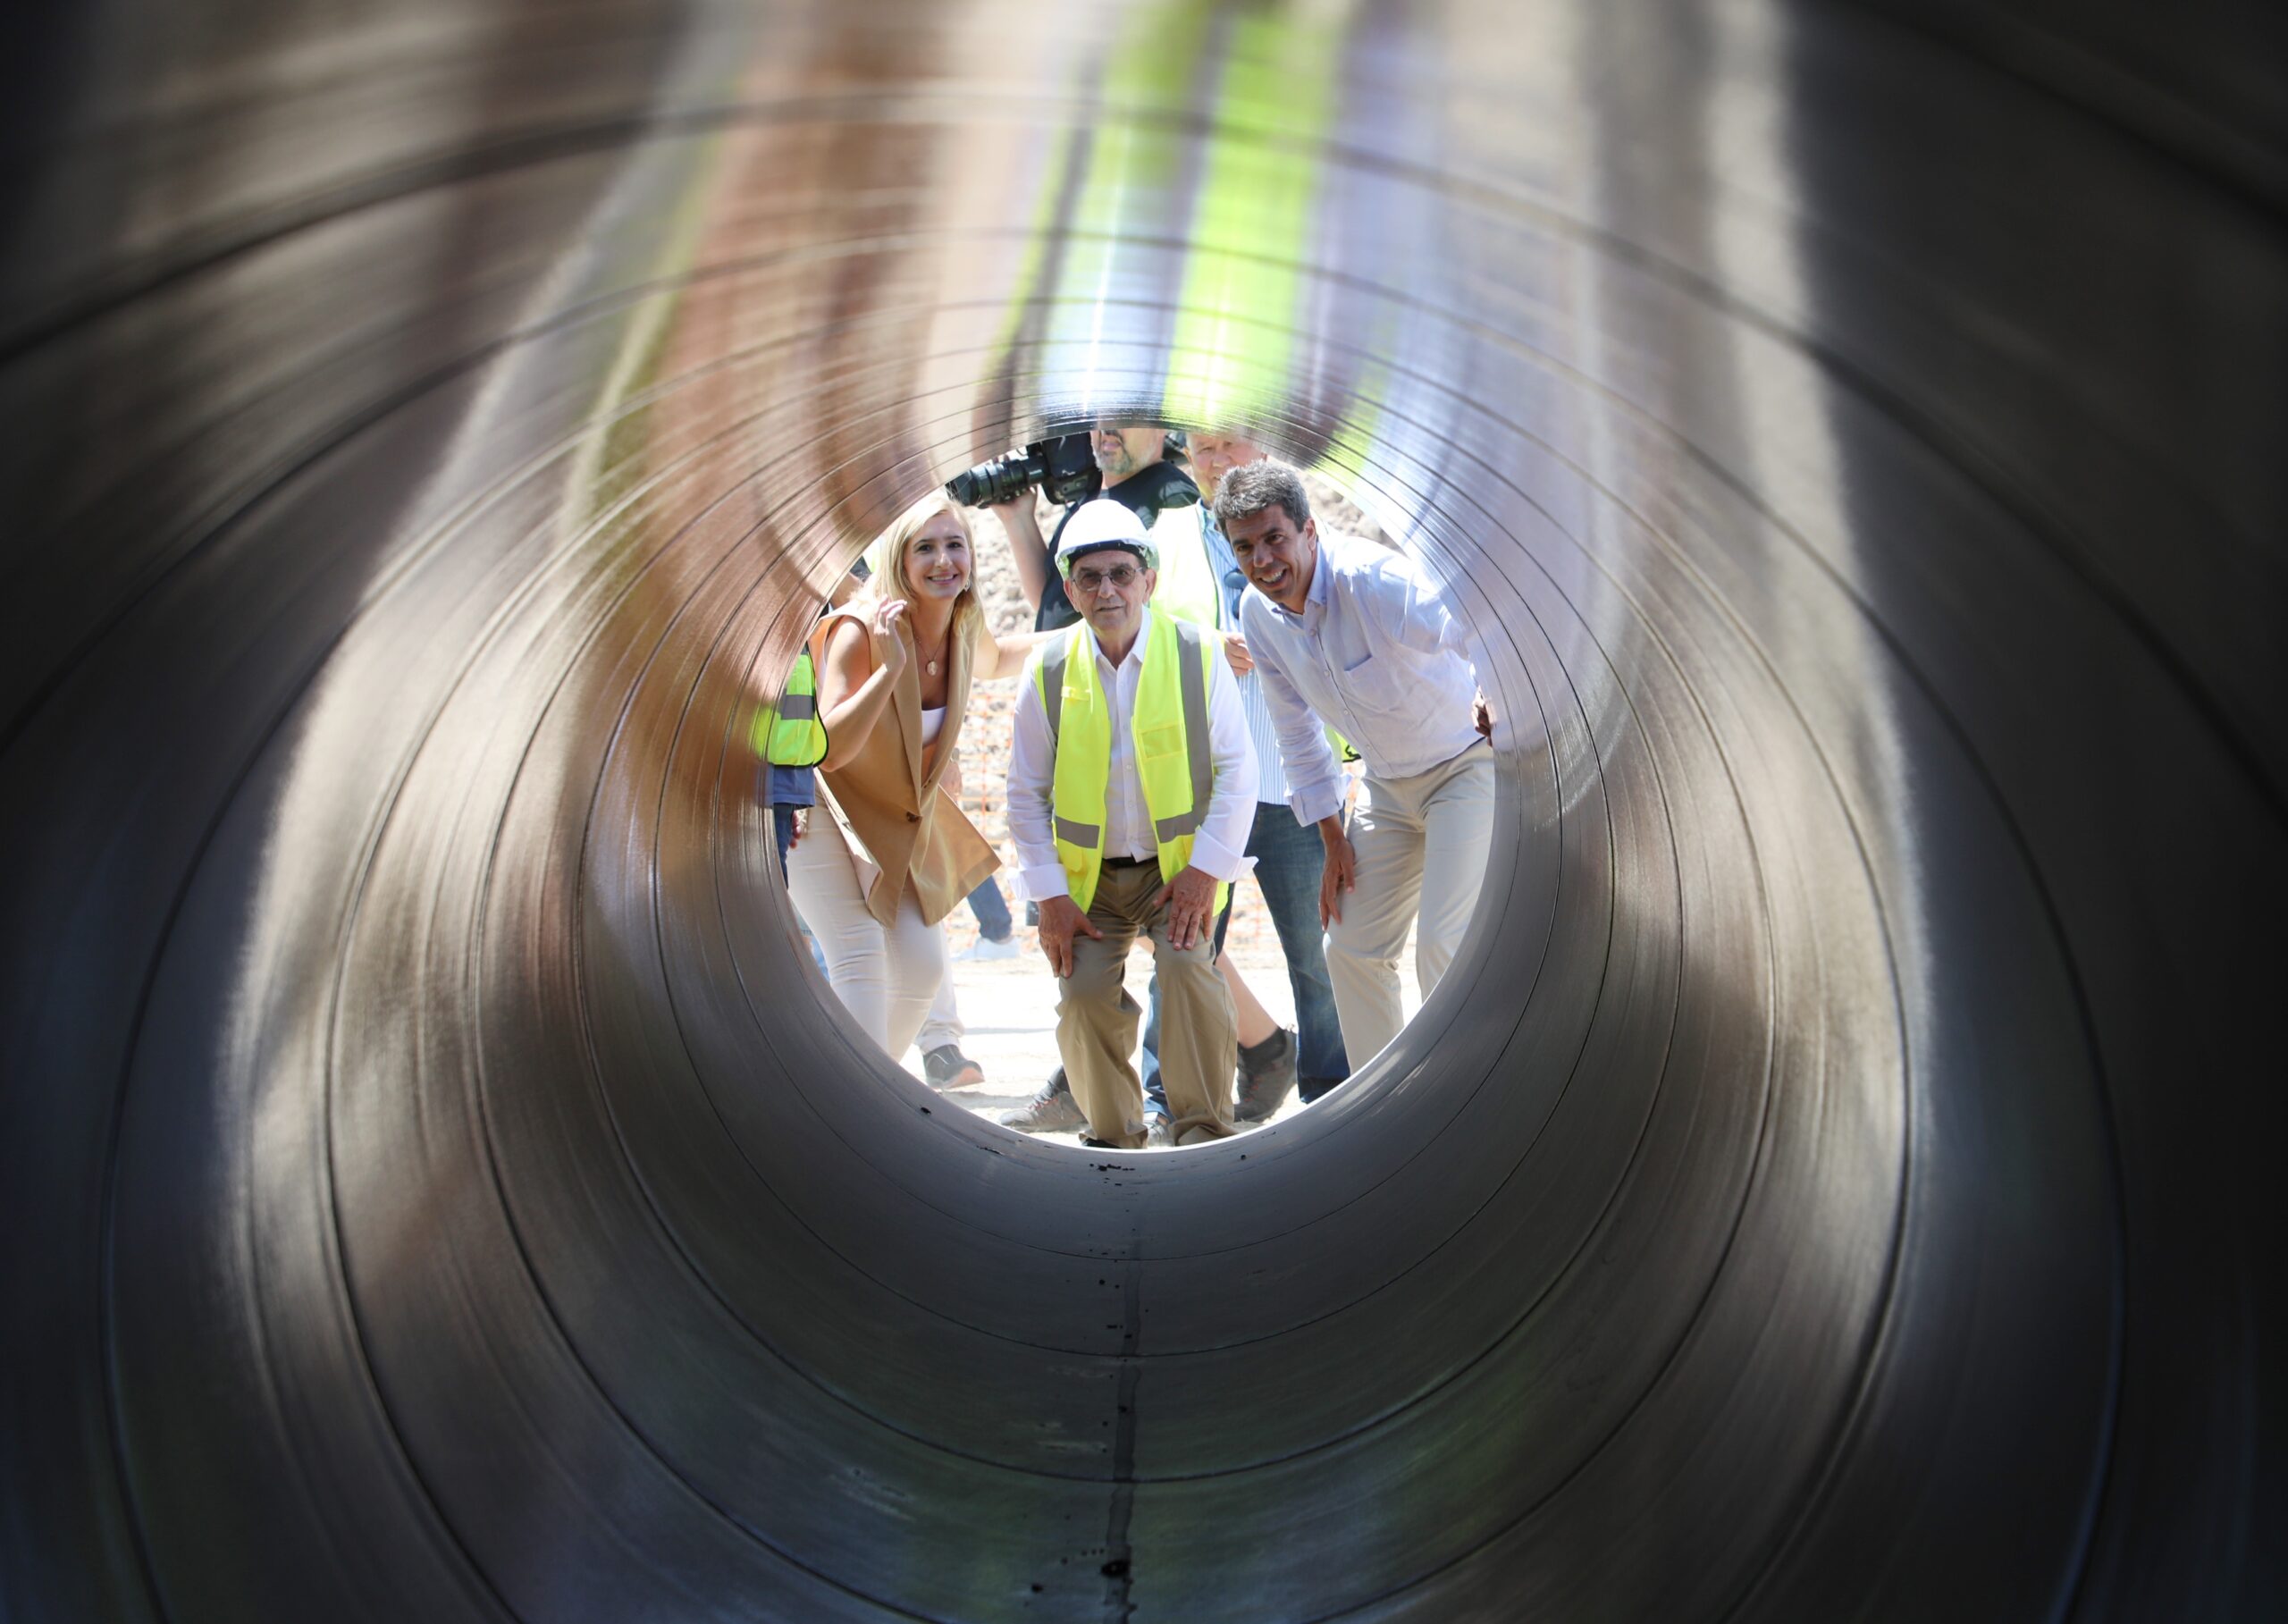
1263 728
1377 655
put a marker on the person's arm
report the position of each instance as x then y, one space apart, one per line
1339 873
1027 546
853 688
1410 610
1219 847
1315 784
1032 766
1413 612
999 656
1032 769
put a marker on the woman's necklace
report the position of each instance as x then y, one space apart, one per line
931 666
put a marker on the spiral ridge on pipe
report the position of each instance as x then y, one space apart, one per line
1832 1181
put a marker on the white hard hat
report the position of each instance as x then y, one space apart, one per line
1104 523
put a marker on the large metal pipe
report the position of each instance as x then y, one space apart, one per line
1833 1181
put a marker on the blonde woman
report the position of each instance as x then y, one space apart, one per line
889 854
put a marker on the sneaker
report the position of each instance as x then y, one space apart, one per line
1266 1076
984 950
1158 1135
946 1067
1053 1110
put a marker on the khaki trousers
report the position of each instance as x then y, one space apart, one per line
1420 846
1097 1020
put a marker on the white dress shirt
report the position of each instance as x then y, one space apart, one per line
1220 845
1375 653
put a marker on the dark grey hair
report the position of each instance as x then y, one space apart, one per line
1249 490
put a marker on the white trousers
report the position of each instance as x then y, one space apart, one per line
887 978
943 1024
1420 846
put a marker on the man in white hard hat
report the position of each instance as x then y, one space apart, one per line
1132 792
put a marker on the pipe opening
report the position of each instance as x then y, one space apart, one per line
995 981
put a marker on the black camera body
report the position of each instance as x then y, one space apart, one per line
1065 467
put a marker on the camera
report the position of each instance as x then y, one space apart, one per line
1065 467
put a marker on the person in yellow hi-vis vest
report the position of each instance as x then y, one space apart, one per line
790 738
1131 790
1139 465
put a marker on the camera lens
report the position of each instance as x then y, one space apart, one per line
989 484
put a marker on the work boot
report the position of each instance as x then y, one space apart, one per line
1053 1110
1266 1076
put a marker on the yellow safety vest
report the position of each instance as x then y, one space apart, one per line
1188 589
1169 733
792 735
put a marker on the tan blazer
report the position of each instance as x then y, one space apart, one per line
900 824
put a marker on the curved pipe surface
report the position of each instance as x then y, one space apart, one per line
1833 1181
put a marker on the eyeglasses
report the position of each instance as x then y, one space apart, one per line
1121 577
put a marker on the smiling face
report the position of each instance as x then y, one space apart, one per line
1275 556
1213 456
1123 449
1110 588
937 561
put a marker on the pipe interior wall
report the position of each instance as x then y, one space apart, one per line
1833 1182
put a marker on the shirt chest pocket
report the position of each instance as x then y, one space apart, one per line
1153 743
1375 684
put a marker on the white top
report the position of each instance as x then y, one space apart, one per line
933 723
1220 845
1376 655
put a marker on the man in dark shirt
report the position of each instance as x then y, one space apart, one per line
1133 460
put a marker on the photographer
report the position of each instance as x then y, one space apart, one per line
1134 461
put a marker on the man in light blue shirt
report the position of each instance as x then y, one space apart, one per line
1287 854
1350 635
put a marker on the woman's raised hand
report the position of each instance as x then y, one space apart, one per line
890 648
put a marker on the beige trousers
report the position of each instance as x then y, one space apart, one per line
1097 1020
1420 846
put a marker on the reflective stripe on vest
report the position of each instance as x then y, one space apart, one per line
792 735
1169 734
